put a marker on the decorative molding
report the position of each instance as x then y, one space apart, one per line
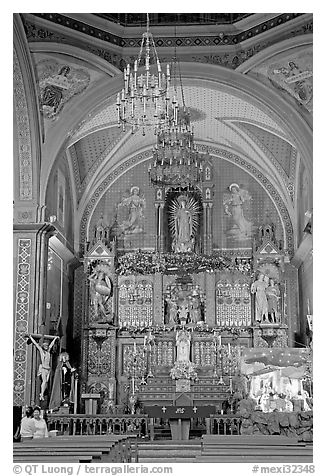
22 306
223 41
169 41
23 133
224 154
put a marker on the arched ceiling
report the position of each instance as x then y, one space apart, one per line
233 108
222 116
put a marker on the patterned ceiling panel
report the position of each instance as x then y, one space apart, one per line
212 108
91 147
281 150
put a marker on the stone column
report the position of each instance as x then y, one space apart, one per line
161 228
210 317
205 228
157 224
209 239
290 301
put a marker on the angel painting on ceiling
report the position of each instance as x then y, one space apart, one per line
234 204
296 77
58 83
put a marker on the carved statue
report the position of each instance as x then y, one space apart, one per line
172 311
100 229
100 291
195 309
273 297
61 387
183 227
45 365
183 346
261 308
183 312
183 222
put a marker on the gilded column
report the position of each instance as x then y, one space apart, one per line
158 310
209 229
205 228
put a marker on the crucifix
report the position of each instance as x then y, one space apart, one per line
45 354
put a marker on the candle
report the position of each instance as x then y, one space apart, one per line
135 347
229 348
219 340
308 306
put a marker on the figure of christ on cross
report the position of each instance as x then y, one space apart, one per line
45 365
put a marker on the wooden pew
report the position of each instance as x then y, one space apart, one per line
255 459
53 459
107 448
253 448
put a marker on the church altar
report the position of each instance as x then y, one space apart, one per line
168 327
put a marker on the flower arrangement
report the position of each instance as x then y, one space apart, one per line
140 262
184 370
201 329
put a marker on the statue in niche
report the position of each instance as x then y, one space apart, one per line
100 292
273 298
131 212
100 229
233 204
195 308
261 305
183 346
184 305
183 313
183 221
172 310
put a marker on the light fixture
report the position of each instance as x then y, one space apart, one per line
144 99
176 161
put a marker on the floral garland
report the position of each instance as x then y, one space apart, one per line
234 331
173 263
183 370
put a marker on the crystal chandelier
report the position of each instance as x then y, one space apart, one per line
176 160
144 99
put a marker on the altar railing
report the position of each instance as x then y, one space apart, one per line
99 424
138 425
224 425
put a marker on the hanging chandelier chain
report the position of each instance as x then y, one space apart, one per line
144 98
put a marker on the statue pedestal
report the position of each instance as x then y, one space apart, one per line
179 428
91 402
